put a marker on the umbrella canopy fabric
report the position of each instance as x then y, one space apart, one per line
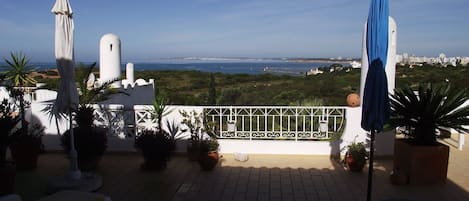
375 105
67 96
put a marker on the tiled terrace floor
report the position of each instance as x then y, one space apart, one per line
262 177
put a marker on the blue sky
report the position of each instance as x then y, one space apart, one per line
151 29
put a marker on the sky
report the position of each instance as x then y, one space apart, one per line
152 29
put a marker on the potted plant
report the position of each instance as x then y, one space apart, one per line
208 154
17 75
25 146
356 157
156 144
7 168
174 134
90 141
155 147
193 121
419 158
203 145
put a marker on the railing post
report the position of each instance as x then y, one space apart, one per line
296 124
250 122
281 121
265 121
220 119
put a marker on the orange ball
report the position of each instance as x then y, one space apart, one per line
353 100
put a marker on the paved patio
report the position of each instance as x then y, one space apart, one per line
262 177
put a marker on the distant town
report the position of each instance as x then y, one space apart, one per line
442 59
402 59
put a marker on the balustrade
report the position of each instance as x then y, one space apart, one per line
276 123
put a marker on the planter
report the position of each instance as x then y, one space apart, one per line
25 153
209 160
90 144
7 175
155 148
353 164
420 165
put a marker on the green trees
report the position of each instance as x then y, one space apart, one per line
212 92
229 96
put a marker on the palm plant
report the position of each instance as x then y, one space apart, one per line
91 94
87 94
17 72
90 142
431 108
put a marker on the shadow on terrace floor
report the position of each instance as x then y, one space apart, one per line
262 177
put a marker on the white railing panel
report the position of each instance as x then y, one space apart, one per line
276 123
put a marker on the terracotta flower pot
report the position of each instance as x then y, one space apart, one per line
353 164
209 160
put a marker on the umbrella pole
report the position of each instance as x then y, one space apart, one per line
370 166
74 171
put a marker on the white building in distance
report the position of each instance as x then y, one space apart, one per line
442 59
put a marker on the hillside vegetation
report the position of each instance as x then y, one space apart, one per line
331 88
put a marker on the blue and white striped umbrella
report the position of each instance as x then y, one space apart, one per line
375 103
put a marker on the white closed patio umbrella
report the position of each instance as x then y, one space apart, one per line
67 96
67 99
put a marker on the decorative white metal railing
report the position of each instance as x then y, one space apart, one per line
232 122
276 123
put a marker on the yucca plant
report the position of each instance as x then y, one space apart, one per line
159 109
428 109
18 74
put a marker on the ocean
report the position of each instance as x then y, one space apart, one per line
223 66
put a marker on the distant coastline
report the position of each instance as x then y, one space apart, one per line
227 65
321 60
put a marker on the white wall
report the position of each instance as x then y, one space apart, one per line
352 133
